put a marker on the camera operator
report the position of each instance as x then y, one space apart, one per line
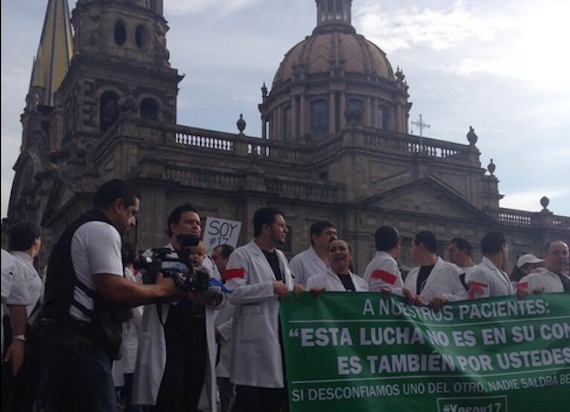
86 299
177 349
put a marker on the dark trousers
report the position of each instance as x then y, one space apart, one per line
254 399
79 370
19 392
128 394
227 393
186 357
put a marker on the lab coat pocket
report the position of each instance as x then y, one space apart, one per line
251 323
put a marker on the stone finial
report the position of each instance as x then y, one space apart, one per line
264 91
491 167
471 136
400 74
241 123
544 202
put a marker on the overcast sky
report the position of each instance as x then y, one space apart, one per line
498 66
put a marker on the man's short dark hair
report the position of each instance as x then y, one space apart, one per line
225 250
547 246
177 213
22 236
128 252
462 244
318 227
386 238
115 189
493 243
428 239
264 216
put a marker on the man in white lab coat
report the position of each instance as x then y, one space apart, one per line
177 351
436 281
553 279
460 252
490 280
314 260
382 273
258 275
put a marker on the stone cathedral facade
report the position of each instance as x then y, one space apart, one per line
334 145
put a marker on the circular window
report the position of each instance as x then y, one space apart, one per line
120 33
141 37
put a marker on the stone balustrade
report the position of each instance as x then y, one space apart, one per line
310 190
209 139
204 178
406 144
529 219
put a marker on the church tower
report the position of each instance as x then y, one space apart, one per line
121 66
332 79
50 66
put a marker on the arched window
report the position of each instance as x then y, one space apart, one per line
288 123
120 33
141 37
355 105
383 118
354 111
108 110
149 109
320 117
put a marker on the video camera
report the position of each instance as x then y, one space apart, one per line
176 265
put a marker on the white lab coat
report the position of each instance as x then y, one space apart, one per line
444 279
332 283
383 271
544 279
224 323
489 281
305 265
151 356
256 354
131 327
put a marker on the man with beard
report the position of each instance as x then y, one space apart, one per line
259 275
87 294
177 350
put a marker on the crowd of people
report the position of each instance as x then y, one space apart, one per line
89 334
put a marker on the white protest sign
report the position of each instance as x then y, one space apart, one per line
221 232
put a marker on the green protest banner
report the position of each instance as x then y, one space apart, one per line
362 352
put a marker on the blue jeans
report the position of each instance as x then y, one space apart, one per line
79 371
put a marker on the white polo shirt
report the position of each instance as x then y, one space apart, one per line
95 249
32 278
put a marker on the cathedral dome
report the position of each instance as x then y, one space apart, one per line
329 53
332 77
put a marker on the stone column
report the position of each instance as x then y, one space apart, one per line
342 110
303 116
263 127
332 113
294 119
368 112
373 113
398 118
279 124
272 125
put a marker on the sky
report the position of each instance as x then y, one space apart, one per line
497 66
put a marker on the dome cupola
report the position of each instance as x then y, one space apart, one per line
333 70
335 13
